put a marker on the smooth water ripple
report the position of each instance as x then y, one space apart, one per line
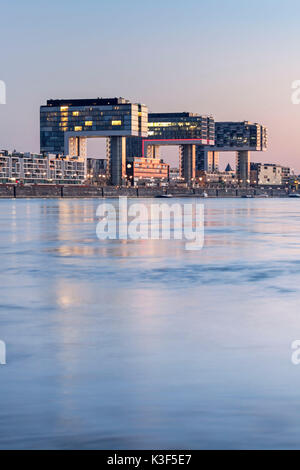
142 344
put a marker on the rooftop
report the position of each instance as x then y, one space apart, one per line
87 102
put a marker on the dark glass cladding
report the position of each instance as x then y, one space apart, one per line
86 102
180 126
242 135
168 115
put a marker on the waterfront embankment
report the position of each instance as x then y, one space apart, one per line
86 191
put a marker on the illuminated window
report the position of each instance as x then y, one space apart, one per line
77 128
116 123
64 108
64 119
75 113
88 123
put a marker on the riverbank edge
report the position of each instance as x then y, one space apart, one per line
74 191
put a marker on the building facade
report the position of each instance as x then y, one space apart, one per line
241 137
65 126
97 170
141 170
285 174
41 169
186 130
130 131
206 160
220 178
266 174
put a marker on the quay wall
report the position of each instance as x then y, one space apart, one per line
85 191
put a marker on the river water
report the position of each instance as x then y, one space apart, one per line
123 344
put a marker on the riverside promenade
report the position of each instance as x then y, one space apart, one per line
88 191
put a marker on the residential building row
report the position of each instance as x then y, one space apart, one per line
41 168
60 169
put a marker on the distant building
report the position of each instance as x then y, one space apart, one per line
65 126
174 174
266 174
238 136
219 178
206 160
286 174
241 137
186 130
97 170
41 168
142 170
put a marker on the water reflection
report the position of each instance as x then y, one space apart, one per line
124 344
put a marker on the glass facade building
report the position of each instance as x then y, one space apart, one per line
132 132
181 126
237 136
65 124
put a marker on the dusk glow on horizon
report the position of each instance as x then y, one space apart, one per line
233 60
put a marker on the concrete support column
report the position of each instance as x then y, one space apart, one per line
188 162
216 157
117 160
243 166
76 147
152 151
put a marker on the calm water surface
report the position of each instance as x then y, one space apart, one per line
142 344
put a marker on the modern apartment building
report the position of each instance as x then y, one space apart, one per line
266 174
236 136
241 137
186 130
181 126
38 168
131 132
65 126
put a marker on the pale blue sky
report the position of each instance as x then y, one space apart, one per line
233 59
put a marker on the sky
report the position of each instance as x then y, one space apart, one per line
235 60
